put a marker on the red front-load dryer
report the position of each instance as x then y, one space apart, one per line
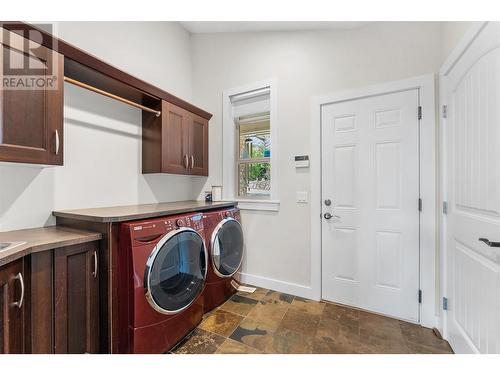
162 273
224 240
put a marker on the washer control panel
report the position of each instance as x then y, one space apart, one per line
193 221
148 232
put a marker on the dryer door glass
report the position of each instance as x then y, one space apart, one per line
175 271
227 247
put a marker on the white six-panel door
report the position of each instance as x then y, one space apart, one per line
370 173
472 127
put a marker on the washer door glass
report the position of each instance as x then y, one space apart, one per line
227 247
176 271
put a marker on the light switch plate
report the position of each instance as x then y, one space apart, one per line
302 197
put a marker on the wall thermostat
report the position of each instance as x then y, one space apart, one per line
302 161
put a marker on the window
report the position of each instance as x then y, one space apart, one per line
249 146
254 156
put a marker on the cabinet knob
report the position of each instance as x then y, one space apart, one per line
19 303
186 161
192 161
57 142
95 265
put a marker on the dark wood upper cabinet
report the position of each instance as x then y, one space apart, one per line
31 102
12 298
175 142
31 119
76 299
174 157
198 145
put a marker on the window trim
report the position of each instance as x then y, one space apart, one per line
229 159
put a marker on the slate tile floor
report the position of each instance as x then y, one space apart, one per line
271 322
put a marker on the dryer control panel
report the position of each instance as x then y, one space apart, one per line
232 213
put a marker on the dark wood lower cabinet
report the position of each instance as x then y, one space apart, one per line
62 311
12 298
49 302
76 295
39 336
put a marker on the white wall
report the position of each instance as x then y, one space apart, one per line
102 160
451 34
305 63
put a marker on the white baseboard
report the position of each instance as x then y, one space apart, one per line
278 285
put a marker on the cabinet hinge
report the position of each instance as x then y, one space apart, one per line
445 303
445 111
445 207
420 204
420 296
420 112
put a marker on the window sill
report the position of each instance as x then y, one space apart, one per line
258 205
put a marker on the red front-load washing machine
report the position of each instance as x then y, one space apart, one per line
224 240
162 273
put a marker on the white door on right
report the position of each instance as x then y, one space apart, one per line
370 180
472 127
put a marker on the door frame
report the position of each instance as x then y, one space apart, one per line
428 236
466 41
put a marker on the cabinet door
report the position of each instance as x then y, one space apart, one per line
175 147
198 145
31 102
76 291
12 308
39 310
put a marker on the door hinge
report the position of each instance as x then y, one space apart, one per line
445 111
420 204
445 303
445 207
420 112
420 296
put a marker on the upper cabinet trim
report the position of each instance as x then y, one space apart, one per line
84 58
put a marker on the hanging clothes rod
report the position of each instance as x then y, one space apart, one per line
112 96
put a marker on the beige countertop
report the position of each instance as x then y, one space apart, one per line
42 239
140 211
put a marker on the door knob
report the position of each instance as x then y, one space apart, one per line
328 216
490 243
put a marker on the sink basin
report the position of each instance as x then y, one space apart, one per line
4 246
